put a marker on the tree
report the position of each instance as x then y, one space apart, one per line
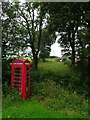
83 49
11 39
28 21
46 42
69 18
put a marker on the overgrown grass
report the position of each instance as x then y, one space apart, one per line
57 98
32 109
52 94
49 101
28 109
62 74
55 67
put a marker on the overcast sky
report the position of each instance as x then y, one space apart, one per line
56 49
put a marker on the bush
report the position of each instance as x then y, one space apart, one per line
6 71
68 62
10 96
73 81
57 98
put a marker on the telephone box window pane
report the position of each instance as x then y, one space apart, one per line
17 78
27 80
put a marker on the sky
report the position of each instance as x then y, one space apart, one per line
55 49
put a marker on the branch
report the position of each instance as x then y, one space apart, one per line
21 22
69 34
33 26
32 21
29 12
22 14
39 38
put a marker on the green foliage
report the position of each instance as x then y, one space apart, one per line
31 109
28 58
67 62
10 97
57 98
56 89
59 72
84 51
22 28
55 84
6 71
49 98
64 75
67 18
46 41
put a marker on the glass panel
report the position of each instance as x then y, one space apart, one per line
27 80
17 78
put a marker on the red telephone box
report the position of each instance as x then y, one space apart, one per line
20 77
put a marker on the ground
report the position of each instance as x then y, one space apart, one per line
47 99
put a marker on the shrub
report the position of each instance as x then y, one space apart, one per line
57 98
11 96
6 70
67 62
73 81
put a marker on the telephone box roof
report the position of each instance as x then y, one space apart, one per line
21 60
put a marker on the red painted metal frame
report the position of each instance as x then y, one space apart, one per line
23 65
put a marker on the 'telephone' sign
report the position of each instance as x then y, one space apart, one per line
16 63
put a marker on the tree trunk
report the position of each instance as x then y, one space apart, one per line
73 47
88 90
35 64
72 44
35 52
43 59
73 55
72 40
